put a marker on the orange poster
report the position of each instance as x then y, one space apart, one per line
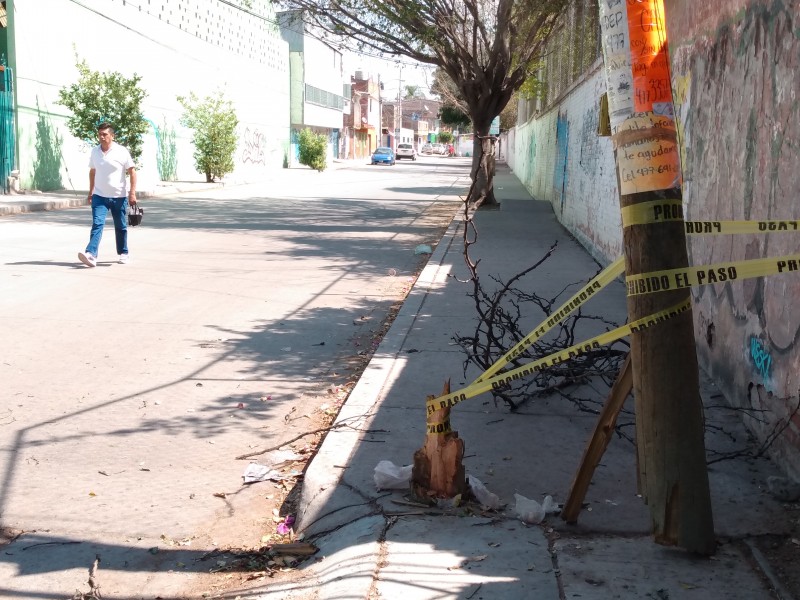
649 58
647 157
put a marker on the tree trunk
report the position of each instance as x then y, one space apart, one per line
483 169
438 470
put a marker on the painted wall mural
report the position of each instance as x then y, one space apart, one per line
736 88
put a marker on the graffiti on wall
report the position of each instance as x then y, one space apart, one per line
589 142
762 359
253 152
562 148
735 83
746 170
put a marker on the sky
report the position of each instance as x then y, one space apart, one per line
404 69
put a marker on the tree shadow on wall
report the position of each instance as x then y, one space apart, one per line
47 166
167 155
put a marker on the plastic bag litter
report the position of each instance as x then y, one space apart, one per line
484 496
388 476
269 471
423 249
550 507
530 511
255 472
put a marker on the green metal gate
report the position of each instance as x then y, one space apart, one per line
7 142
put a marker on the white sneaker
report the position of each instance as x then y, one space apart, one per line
123 259
88 259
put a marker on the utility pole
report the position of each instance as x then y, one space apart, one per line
673 477
399 128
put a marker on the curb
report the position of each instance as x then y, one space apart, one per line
321 479
15 208
25 203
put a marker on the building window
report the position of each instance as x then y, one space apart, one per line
320 97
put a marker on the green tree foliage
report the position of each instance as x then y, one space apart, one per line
413 92
533 88
445 137
213 123
508 118
453 111
454 117
107 97
486 47
313 149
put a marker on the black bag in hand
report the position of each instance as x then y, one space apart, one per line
135 215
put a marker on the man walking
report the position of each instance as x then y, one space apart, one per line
108 165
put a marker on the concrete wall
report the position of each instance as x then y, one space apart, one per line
736 81
177 46
736 77
560 158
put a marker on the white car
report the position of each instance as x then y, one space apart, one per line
406 151
426 149
440 149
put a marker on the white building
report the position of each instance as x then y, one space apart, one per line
316 84
177 47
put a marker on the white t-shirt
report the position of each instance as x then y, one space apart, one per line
110 169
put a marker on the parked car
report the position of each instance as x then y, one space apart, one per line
383 155
426 149
406 151
440 149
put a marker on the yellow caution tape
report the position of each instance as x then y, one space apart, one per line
676 279
606 276
645 283
654 211
731 227
662 211
439 428
502 380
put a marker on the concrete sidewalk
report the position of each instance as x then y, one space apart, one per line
34 201
374 544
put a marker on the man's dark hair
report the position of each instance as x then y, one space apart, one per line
106 125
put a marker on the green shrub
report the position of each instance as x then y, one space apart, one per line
445 137
313 149
213 122
106 98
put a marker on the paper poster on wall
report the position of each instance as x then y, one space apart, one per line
647 161
617 60
649 58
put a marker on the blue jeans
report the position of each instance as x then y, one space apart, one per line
119 211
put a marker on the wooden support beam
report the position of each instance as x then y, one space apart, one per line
598 442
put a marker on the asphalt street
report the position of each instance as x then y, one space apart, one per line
127 390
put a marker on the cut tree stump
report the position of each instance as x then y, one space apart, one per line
438 470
